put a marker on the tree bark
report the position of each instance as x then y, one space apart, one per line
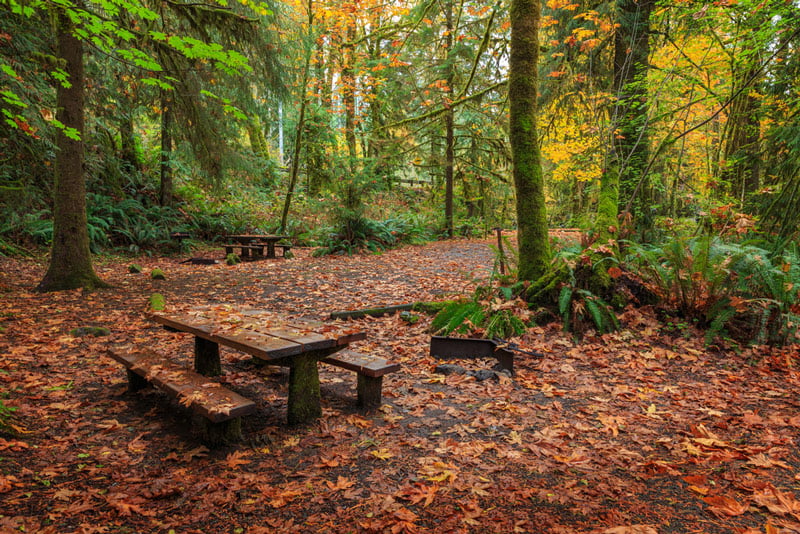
742 162
349 89
449 148
70 257
298 139
532 237
630 150
166 187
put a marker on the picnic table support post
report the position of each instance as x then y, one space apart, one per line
220 433
135 382
369 391
206 357
304 396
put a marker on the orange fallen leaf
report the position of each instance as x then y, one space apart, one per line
723 506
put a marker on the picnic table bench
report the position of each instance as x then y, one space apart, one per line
370 371
255 246
222 408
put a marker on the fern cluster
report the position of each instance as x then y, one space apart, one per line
729 288
497 319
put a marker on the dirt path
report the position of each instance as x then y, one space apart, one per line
638 432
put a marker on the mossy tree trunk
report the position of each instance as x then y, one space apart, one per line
630 146
301 120
70 257
624 184
742 155
534 247
166 185
449 118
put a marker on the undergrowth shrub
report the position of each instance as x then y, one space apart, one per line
492 319
732 289
353 231
578 306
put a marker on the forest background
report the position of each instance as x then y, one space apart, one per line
667 132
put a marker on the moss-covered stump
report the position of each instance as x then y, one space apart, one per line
157 302
157 274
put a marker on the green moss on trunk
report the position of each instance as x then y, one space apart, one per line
532 237
304 396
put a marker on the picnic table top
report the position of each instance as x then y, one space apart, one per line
260 333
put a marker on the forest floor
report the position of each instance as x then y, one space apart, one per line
641 431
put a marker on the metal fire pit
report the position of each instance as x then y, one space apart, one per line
451 348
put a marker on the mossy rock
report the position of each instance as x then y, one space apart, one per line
84 331
157 302
134 268
410 318
232 259
157 274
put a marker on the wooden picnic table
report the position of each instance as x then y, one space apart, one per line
268 337
246 241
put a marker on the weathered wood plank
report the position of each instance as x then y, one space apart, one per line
362 363
203 396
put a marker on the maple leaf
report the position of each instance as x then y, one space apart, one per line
197 452
382 454
13 445
762 460
125 504
632 529
778 502
236 458
327 462
419 492
340 484
7 483
64 494
722 506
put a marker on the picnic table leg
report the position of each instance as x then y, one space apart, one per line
304 405
271 249
206 357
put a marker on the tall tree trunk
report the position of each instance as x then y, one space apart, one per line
449 148
301 120
70 258
630 149
127 150
166 186
532 237
349 89
742 161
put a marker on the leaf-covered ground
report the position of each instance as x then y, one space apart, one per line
642 431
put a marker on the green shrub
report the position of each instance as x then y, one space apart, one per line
729 288
492 319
